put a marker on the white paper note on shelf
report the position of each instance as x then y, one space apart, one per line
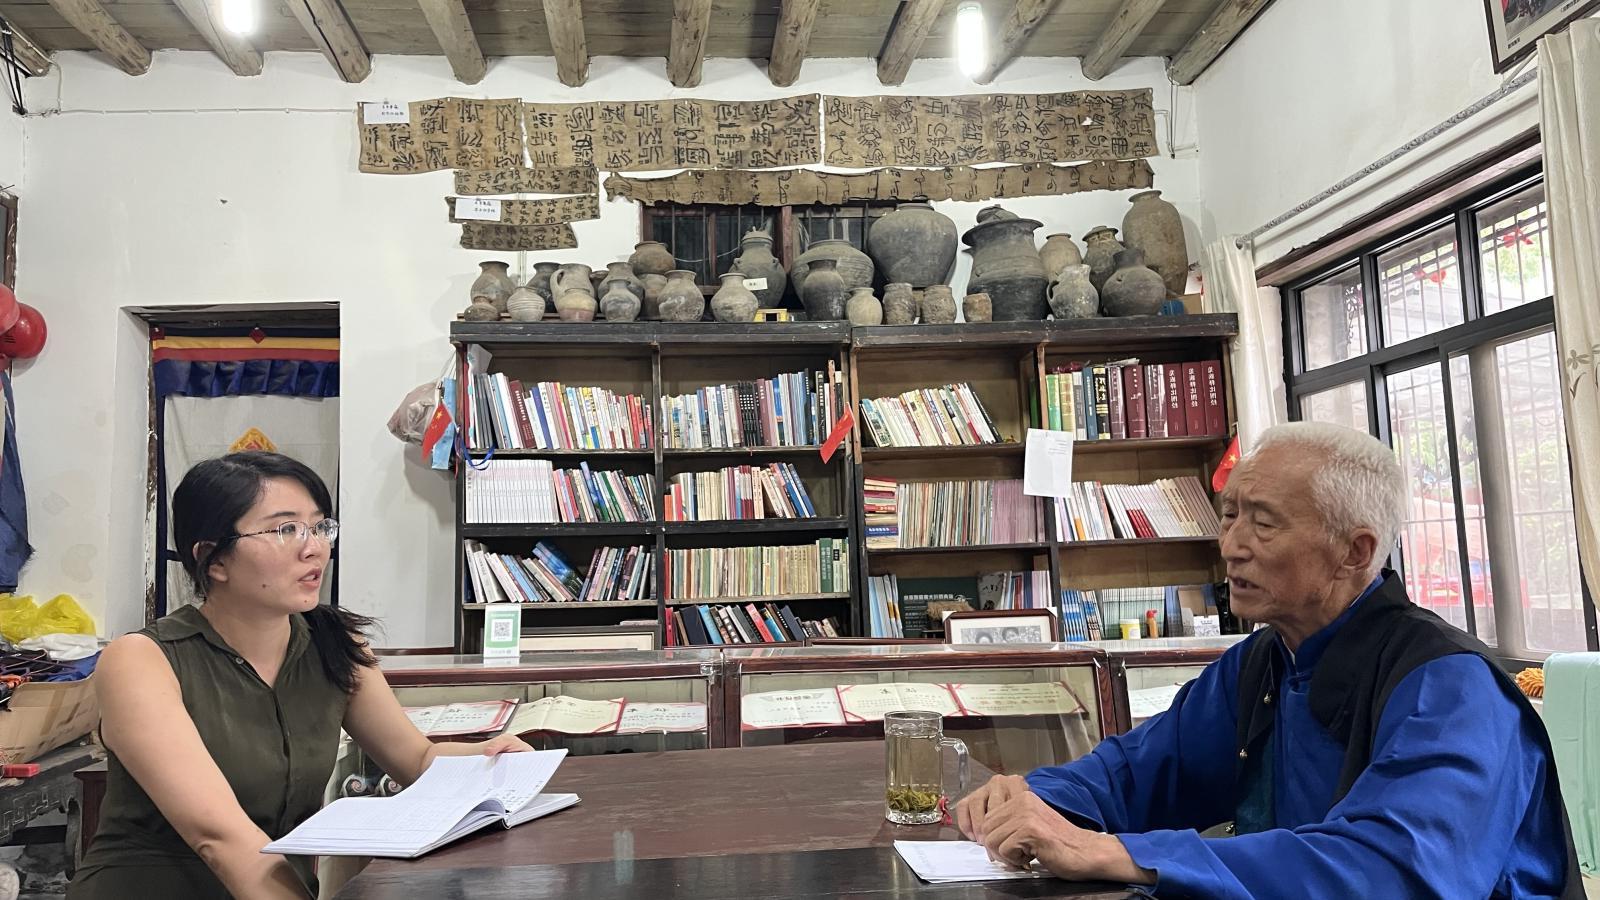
946 862
639 718
1047 465
478 208
385 113
1142 704
755 284
779 709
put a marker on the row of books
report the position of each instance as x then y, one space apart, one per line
1124 399
948 416
738 492
513 491
692 626
1016 590
1165 508
880 503
953 514
883 607
545 575
796 409
711 573
507 415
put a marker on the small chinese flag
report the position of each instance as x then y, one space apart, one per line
435 430
1219 478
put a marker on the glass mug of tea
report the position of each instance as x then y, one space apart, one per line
914 742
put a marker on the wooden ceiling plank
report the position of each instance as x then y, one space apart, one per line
328 26
235 52
1125 28
450 25
94 23
564 19
28 53
792 40
909 32
691 23
1025 16
1228 22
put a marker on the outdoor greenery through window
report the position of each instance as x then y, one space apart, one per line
1451 359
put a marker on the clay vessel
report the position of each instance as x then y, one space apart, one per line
652 295
1007 267
622 273
823 291
526 305
493 284
1134 289
855 267
977 308
574 305
1100 252
681 300
1059 252
619 304
1154 226
915 244
481 310
994 214
862 308
1072 294
571 277
755 260
651 258
733 302
938 305
899 304
540 282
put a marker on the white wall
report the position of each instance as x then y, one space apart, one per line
190 185
13 165
1315 90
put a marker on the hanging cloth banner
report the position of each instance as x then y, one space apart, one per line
640 135
803 186
491 236
557 211
522 180
448 133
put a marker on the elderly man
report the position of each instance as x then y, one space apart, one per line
1362 747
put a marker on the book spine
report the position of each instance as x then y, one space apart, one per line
1102 404
1194 409
1177 417
1114 400
1216 416
1133 395
1155 409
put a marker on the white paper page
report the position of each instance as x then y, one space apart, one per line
638 718
869 702
468 718
1142 704
542 805
478 208
375 826
511 778
777 709
1047 699
1047 464
566 715
385 113
940 862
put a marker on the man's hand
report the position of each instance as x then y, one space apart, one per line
1021 828
976 806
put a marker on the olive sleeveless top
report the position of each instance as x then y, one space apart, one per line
276 745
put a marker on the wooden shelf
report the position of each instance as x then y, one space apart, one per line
563 454
593 604
776 598
886 454
1128 444
763 526
680 453
965 548
647 333
1073 334
1136 542
538 530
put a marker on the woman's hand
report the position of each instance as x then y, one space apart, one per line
505 743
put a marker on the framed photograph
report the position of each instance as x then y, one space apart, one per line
1515 26
1002 626
601 637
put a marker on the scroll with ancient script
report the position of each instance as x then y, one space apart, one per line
780 709
523 180
865 132
567 715
804 187
674 134
869 702
557 211
1046 699
448 133
641 718
509 238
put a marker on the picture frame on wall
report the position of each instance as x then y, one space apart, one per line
991 627
1515 26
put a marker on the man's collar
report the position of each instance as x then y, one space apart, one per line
1305 659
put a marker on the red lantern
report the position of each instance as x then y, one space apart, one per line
24 339
10 309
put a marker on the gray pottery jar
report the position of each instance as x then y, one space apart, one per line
863 309
855 268
977 308
1154 227
572 277
733 302
540 282
1006 266
681 300
526 305
938 305
574 305
651 258
915 244
652 295
1100 252
755 260
493 284
1134 289
622 273
823 291
481 310
1058 252
899 304
619 304
1072 294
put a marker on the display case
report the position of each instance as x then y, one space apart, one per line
1146 674
1016 709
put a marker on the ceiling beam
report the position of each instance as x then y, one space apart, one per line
564 19
453 30
691 23
29 55
1125 28
234 51
793 39
93 22
1227 23
910 29
328 26
1024 18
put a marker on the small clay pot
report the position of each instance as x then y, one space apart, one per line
733 302
576 306
651 258
977 308
481 310
620 304
525 305
899 304
652 296
681 300
862 308
938 305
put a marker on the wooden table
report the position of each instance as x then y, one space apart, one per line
768 822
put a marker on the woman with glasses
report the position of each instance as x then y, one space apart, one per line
222 720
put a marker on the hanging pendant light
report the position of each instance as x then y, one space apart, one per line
239 16
972 39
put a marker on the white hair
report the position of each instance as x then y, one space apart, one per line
1357 483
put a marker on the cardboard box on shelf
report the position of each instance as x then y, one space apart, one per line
45 715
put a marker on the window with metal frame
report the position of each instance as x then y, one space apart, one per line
1450 358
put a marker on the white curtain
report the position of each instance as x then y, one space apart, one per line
1230 287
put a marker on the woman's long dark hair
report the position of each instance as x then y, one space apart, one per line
206 509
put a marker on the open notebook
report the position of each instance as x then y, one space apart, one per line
455 797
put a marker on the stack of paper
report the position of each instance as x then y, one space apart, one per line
945 862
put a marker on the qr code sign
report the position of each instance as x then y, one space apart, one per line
503 630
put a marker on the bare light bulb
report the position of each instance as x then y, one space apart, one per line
972 40
239 16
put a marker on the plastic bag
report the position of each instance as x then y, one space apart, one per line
21 618
411 417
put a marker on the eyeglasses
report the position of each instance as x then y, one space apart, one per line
327 530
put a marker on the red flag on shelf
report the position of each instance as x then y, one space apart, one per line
1219 478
